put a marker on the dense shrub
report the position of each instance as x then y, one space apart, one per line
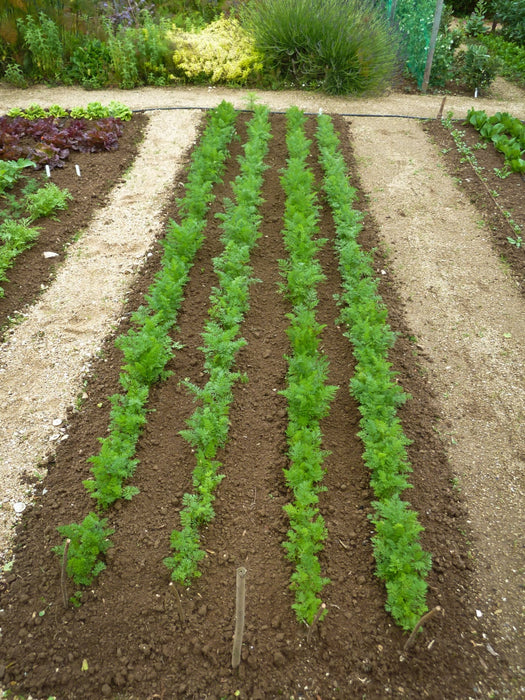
512 57
511 14
476 67
221 53
41 37
340 46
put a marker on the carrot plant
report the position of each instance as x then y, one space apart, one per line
208 427
147 346
307 393
400 561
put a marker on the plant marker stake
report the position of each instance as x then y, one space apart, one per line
419 623
440 113
48 171
318 614
77 169
63 576
179 604
240 595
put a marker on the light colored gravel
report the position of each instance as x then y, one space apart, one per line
43 362
469 317
507 97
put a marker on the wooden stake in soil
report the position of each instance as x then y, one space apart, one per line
63 575
318 614
440 113
419 623
240 598
179 605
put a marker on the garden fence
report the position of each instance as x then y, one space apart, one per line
414 19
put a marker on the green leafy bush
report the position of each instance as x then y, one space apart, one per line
511 56
47 200
511 14
476 67
14 75
90 64
11 171
475 24
222 52
41 37
339 46
89 541
139 55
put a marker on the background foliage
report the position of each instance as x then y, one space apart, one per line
338 46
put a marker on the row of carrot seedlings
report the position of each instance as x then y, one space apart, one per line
401 562
147 347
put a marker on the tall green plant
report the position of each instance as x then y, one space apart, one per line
339 46
123 53
42 37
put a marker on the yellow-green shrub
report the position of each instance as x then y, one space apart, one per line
220 53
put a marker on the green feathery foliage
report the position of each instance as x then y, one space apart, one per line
307 392
208 426
147 346
401 562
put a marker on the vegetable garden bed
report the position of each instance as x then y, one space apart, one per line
136 634
497 192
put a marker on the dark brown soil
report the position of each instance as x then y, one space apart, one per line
491 194
127 639
99 172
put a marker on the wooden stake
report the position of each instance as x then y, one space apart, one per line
431 48
240 603
179 606
318 614
419 623
440 113
63 575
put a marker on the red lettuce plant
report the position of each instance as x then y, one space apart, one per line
49 140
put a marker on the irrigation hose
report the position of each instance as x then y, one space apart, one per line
276 111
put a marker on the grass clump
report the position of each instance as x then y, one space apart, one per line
338 46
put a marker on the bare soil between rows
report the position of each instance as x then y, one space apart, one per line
127 639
